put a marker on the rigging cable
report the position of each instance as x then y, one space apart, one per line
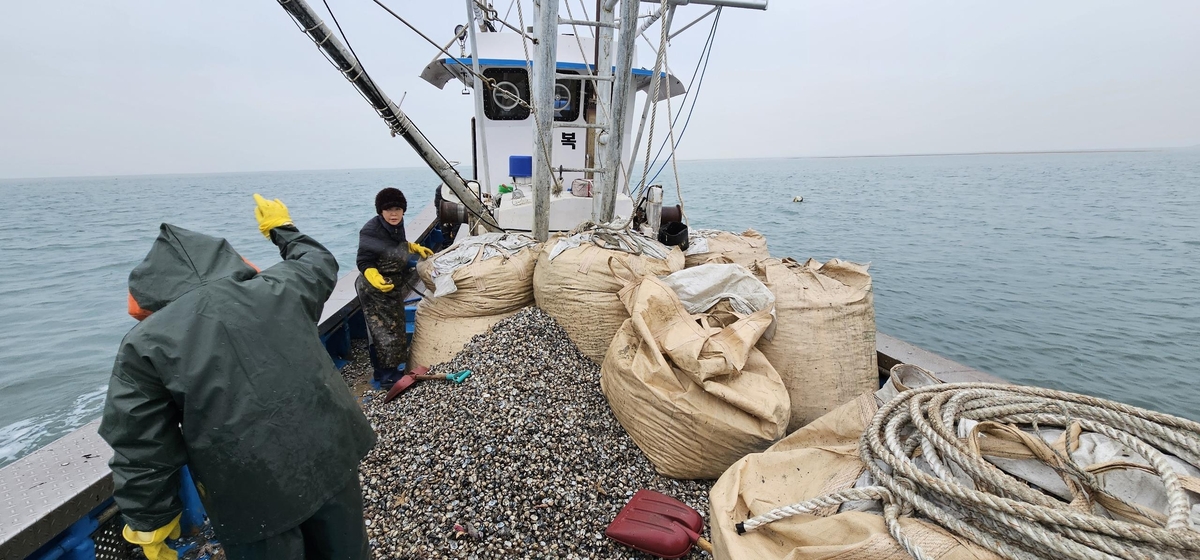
443 50
348 45
692 108
593 69
656 80
585 14
691 92
528 63
491 220
556 187
674 144
694 93
493 15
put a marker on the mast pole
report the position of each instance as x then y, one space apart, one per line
479 93
397 121
604 100
620 94
544 66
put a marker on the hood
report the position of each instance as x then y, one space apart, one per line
181 261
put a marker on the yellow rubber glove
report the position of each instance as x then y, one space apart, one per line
421 251
270 214
376 279
152 542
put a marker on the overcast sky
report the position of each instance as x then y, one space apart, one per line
140 86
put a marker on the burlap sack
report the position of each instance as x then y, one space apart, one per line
579 289
824 346
486 291
693 395
723 246
437 338
486 286
818 459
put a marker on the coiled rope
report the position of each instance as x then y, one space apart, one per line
1002 513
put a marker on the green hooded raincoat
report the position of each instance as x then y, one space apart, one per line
228 376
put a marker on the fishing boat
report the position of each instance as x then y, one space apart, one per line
554 137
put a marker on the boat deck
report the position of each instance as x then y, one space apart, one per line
47 491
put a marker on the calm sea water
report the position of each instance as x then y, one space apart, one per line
1071 271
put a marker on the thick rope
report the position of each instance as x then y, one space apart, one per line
1000 512
659 61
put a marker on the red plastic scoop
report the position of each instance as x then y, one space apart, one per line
404 383
658 524
422 374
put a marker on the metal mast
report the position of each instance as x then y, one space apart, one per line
397 121
545 63
616 129
486 175
604 101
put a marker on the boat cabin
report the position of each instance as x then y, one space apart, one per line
504 138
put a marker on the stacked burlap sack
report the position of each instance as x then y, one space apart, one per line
688 385
824 347
816 460
472 285
716 246
577 278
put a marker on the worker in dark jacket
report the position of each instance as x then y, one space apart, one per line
383 260
227 374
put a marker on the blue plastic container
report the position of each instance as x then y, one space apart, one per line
520 166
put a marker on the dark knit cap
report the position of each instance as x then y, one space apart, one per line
390 198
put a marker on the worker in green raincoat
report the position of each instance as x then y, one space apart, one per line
227 374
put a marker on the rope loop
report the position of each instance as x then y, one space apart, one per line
956 486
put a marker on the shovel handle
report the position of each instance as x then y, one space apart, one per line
704 545
427 377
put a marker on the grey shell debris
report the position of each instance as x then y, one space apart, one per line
523 460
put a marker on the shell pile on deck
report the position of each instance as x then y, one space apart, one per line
523 460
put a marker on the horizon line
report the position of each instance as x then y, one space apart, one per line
902 155
1000 153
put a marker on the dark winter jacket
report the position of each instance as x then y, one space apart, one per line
382 246
228 376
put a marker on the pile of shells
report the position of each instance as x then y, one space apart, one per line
358 372
522 460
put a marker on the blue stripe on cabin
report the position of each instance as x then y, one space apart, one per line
515 63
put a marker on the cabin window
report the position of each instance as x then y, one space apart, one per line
500 103
567 101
